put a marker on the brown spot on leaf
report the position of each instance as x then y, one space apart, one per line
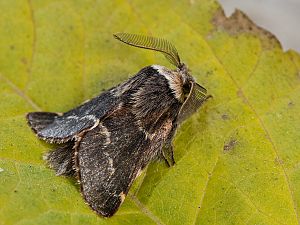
291 104
239 23
230 145
241 95
24 60
278 161
225 117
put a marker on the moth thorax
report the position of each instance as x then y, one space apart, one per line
178 80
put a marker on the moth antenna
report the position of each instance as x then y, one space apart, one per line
152 43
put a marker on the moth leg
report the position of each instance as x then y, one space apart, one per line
167 150
61 159
168 155
207 97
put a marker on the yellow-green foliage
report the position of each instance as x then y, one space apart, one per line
237 158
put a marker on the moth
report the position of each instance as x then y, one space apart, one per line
107 141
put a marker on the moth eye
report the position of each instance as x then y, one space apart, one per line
186 89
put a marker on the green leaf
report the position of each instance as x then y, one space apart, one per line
237 159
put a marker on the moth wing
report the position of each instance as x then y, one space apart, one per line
58 129
53 127
61 128
110 157
194 100
61 159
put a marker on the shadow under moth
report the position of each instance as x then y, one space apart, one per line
106 142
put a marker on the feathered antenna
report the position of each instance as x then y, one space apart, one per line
195 99
152 43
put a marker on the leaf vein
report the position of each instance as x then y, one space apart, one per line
19 92
145 210
205 188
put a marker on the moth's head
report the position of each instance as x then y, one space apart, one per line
180 80
187 81
190 88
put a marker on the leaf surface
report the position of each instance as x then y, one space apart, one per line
237 158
